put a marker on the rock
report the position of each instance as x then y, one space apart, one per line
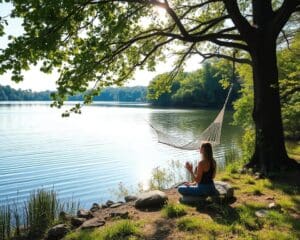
258 175
82 213
93 223
76 222
57 232
123 214
261 213
64 216
109 202
225 189
114 205
95 207
242 171
130 198
270 198
154 198
273 205
103 205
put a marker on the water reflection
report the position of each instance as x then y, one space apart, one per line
87 155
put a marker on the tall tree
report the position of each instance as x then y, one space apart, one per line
105 41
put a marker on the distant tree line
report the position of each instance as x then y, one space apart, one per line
8 93
201 88
126 94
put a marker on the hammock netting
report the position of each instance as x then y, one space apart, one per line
211 134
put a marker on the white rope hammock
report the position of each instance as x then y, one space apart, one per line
211 134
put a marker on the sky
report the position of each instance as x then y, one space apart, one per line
38 81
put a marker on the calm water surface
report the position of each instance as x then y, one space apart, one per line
86 156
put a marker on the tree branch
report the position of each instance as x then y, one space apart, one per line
239 21
218 55
282 15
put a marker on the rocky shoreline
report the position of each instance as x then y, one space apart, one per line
99 214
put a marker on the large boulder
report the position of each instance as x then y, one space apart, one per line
93 223
151 199
224 191
57 232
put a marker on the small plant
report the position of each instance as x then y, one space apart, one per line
123 229
121 191
225 178
159 179
249 181
257 192
189 224
206 226
174 210
120 230
247 216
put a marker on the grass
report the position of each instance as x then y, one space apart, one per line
172 210
247 216
293 149
5 222
123 229
275 235
205 226
39 212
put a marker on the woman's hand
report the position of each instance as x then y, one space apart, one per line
189 183
189 166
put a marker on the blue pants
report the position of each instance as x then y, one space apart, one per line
197 190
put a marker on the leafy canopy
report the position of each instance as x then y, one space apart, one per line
97 43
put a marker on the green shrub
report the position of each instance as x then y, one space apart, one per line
174 210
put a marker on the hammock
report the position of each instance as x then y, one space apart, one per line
211 134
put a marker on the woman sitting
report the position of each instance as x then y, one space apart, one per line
202 176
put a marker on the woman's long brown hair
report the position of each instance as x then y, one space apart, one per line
207 151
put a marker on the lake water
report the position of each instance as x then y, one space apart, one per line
86 156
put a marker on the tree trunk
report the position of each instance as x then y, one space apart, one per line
270 153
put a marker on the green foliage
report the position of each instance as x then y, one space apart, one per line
163 178
232 161
160 179
198 88
289 75
172 210
123 229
